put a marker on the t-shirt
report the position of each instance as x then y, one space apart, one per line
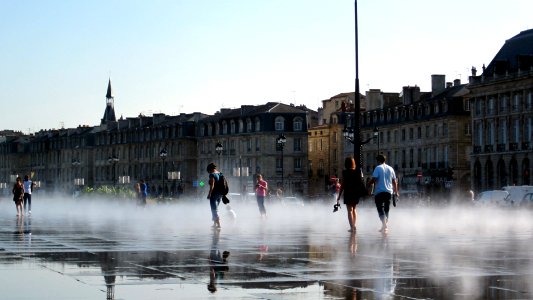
384 174
262 188
27 186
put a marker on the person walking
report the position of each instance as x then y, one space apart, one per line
18 195
143 192
353 188
385 185
261 189
214 195
28 188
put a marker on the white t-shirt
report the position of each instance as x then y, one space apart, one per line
384 174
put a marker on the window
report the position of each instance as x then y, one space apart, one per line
257 124
445 129
388 136
224 127
297 124
436 107
516 130
529 100
411 133
334 137
232 126
490 132
248 125
503 103
297 144
427 131
279 123
435 130
241 126
517 99
491 108
403 134
297 164
419 132
502 136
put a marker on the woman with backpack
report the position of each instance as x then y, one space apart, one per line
214 195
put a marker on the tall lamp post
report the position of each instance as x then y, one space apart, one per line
349 134
376 136
163 155
280 143
113 160
357 145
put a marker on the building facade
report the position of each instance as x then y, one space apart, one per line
501 99
249 137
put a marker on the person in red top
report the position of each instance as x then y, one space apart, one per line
260 192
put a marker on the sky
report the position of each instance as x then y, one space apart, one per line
178 56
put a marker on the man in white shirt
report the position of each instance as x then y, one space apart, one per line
385 185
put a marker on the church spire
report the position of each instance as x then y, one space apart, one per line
109 114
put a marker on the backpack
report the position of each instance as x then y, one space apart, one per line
221 185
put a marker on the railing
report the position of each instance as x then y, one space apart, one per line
525 145
489 148
500 147
477 149
513 146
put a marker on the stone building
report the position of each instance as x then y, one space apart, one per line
248 137
502 116
424 135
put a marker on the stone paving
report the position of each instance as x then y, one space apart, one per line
81 249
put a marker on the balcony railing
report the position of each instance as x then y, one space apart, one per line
477 149
500 147
525 145
489 148
513 146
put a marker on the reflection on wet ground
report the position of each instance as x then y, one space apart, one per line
170 252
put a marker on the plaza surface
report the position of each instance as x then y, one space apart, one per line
110 249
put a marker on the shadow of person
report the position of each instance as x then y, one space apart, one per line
218 263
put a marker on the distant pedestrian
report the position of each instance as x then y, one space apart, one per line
353 188
28 188
214 195
261 190
143 192
18 195
385 185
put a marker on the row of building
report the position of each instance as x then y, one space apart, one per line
456 137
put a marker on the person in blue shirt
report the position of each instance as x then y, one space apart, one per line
144 192
385 185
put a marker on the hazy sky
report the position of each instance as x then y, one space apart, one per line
186 56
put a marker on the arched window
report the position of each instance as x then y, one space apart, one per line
257 124
248 125
232 126
241 126
297 124
279 123
224 127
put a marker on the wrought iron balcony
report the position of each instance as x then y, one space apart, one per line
513 146
500 147
525 145
489 148
477 149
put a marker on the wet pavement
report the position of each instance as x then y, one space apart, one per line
113 250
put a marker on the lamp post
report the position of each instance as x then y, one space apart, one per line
357 145
77 181
163 155
219 148
113 160
376 136
349 134
280 143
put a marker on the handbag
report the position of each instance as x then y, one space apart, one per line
361 190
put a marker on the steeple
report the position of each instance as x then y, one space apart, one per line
109 114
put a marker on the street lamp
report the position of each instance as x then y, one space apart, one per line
163 155
113 160
77 181
219 148
280 143
376 136
357 145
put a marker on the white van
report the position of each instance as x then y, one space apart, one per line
517 193
496 197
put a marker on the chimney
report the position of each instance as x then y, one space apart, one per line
437 83
457 82
449 85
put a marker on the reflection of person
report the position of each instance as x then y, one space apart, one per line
218 263
214 196
18 194
351 181
353 244
261 191
385 184
28 187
